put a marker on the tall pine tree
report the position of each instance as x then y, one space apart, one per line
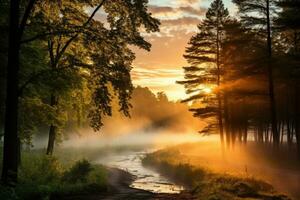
258 16
288 22
203 53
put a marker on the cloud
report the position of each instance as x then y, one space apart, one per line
161 9
142 73
188 9
168 11
187 1
160 80
160 68
185 21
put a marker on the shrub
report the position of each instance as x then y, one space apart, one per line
78 172
98 176
40 170
7 193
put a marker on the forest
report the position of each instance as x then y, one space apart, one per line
149 99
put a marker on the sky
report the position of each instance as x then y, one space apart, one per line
160 68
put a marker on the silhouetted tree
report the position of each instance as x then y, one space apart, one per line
258 16
203 53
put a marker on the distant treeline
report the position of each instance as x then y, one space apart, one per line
152 112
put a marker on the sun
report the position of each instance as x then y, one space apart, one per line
207 90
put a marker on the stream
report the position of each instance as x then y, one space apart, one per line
146 179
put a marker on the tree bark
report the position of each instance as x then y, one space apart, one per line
10 149
52 129
297 120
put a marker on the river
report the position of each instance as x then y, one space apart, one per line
146 179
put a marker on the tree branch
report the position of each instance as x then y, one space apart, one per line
37 75
38 36
41 35
25 17
75 36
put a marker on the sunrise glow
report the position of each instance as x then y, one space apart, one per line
150 99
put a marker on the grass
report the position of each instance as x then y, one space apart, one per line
44 177
208 185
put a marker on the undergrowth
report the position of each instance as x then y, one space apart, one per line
44 177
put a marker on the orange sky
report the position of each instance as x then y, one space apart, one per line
160 68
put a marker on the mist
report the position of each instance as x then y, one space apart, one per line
280 168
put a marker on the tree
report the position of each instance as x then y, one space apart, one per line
258 16
288 23
3 57
125 19
106 56
10 149
203 53
242 55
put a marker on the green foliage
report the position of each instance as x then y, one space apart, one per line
78 172
42 177
80 46
40 170
66 53
8 193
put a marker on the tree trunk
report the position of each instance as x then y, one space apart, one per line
220 118
288 123
226 120
220 115
52 129
271 81
297 120
10 149
51 140
245 134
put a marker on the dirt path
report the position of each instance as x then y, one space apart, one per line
119 189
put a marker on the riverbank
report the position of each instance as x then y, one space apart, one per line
69 176
119 182
205 184
118 174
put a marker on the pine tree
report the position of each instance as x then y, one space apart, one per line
258 16
203 53
288 23
242 59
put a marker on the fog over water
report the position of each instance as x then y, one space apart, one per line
203 151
